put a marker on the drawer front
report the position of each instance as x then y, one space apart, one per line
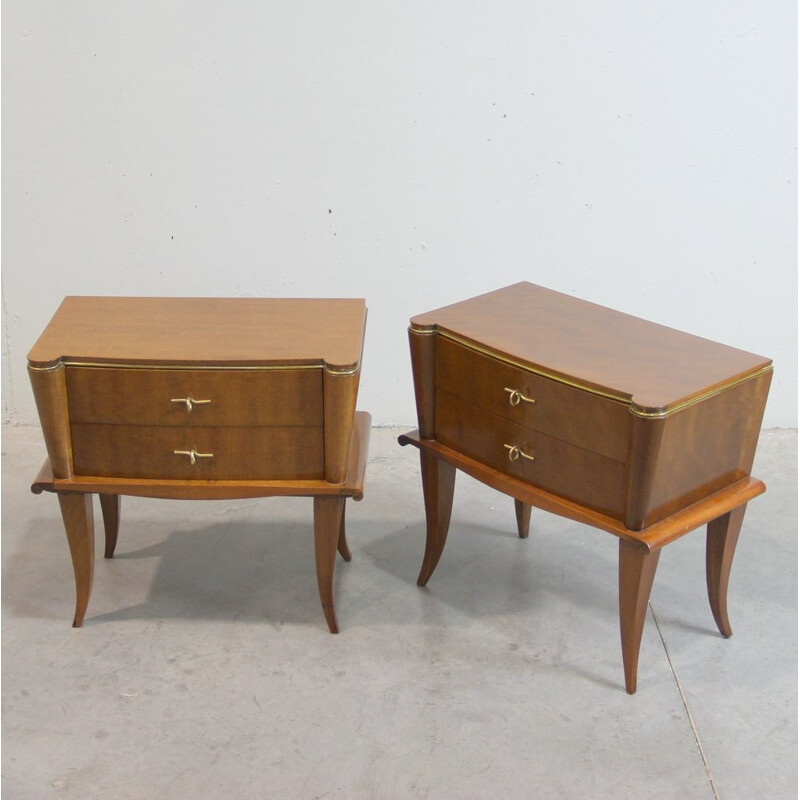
158 397
133 451
563 469
575 416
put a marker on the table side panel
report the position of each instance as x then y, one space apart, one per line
239 453
423 347
340 393
50 393
693 452
577 474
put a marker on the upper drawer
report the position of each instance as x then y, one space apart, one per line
158 396
564 412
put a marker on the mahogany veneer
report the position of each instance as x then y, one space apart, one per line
201 398
638 429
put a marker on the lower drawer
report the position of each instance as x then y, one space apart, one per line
563 469
135 451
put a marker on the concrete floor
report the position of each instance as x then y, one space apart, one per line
205 670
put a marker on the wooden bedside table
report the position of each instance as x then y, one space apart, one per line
200 398
631 427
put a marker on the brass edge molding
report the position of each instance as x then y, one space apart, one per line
199 367
357 366
638 411
665 412
343 371
196 367
423 331
51 368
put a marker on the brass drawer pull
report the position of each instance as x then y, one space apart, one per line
514 453
515 396
190 402
193 455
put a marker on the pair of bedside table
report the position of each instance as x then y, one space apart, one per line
630 427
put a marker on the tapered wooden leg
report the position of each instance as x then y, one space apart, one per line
523 511
438 483
78 516
109 504
722 534
327 527
341 546
637 568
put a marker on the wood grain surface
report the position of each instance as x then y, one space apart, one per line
208 331
224 397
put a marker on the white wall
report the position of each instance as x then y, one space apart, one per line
638 155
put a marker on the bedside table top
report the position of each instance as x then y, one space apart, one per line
204 331
653 367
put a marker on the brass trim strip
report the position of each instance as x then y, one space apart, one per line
423 331
635 410
52 368
197 367
356 368
347 371
661 413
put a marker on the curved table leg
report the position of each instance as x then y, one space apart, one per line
328 510
78 515
637 568
109 504
722 534
523 511
438 483
341 545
